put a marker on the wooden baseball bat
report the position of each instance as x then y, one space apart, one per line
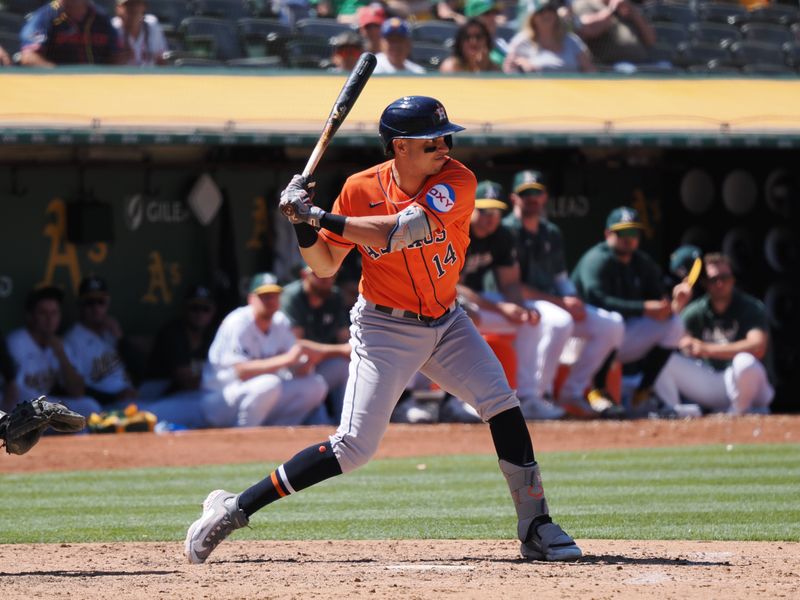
344 102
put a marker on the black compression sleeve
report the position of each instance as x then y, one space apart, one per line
333 223
306 235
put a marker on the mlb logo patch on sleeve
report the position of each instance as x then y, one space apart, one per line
441 197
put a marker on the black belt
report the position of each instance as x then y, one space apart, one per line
407 314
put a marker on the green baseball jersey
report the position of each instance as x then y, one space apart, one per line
485 255
602 280
743 314
319 324
540 254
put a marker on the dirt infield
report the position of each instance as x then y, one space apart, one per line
396 569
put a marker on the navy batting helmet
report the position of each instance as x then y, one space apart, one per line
418 118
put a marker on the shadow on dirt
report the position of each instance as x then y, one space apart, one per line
95 573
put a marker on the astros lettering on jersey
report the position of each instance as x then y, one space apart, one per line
422 277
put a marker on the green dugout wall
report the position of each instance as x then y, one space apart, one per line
713 162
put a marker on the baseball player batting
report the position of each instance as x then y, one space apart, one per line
409 218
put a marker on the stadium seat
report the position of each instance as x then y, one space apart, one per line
322 28
723 12
714 33
221 9
11 22
10 42
751 53
670 33
257 62
21 7
767 32
263 37
196 62
435 32
210 38
702 53
308 52
429 56
674 12
662 52
169 13
791 53
714 67
776 13
767 69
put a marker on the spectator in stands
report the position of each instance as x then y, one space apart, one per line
5 59
140 34
396 48
42 361
257 372
8 379
544 44
344 11
545 283
451 10
471 50
93 344
291 11
488 13
616 31
724 358
320 318
69 32
492 250
370 18
346 48
411 10
617 276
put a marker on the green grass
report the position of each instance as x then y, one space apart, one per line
749 492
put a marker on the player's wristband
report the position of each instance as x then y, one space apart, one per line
333 223
306 235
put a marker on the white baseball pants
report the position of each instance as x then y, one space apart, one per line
740 388
265 400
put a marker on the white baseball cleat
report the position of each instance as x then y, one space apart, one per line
549 542
221 516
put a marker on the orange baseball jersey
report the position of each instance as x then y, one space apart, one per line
422 277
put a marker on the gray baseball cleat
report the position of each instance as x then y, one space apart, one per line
221 516
549 542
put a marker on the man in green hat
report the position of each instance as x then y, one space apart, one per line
258 373
492 250
546 284
617 276
724 360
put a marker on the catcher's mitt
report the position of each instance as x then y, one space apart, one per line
23 426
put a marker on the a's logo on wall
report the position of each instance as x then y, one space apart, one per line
134 212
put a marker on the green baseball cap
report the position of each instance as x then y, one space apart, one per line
529 180
682 259
489 194
264 283
623 217
476 8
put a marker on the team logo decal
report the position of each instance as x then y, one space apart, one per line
441 197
